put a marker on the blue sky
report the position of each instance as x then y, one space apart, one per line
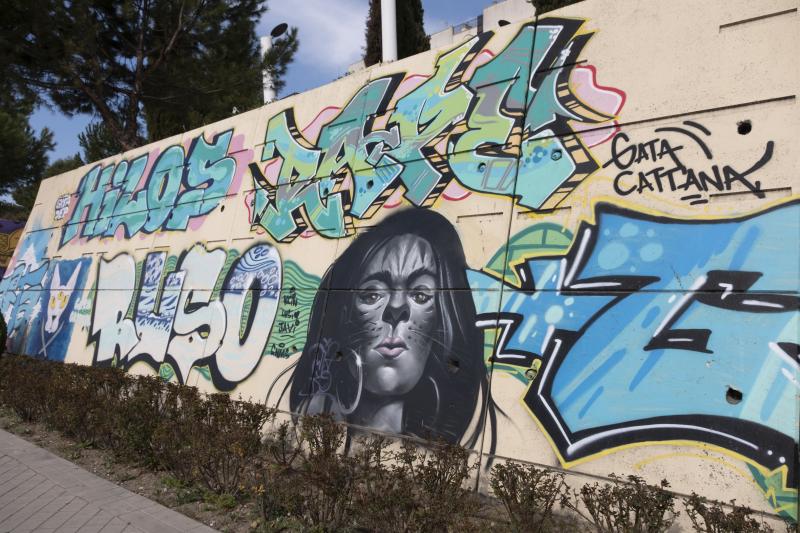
331 36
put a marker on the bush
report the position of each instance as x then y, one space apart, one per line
230 439
3 334
24 385
439 474
305 473
328 477
407 490
208 441
386 499
625 507
710 517
78 401
176 431
136 417
528 494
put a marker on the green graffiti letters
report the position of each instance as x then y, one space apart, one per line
505 131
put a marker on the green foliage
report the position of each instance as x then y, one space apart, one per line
373 52
544 6
98 142
23 152
25 195
411 37
162 65
279 56
528 494
12 211
215 69
65 164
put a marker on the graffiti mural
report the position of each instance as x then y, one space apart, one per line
37 298
402 348
10 233
639 308
180 318
178 186
505 131
528 243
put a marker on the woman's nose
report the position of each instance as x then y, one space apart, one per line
396 310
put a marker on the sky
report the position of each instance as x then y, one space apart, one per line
331 34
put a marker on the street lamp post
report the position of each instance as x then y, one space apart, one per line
266 46
388 31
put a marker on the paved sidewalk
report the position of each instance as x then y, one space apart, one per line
40 491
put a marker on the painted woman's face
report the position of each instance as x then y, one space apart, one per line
397 313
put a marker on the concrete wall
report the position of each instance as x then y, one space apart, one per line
593 216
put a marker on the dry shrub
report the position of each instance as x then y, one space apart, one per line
709 516
528 494
208 440
136 417
305 476
328 476
624 507
24 383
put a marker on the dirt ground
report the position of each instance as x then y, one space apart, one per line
217 513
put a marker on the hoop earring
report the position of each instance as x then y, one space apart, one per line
438 400
346 410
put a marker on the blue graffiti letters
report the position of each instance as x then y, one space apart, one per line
638 334
178 187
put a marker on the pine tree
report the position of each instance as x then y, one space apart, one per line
160 65
223 61
22 151
411 37
543 6
25 195
97 142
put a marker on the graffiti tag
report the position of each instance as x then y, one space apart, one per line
178 187
505 131
656 166
177 316
638 331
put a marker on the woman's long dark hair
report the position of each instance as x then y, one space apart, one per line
454 383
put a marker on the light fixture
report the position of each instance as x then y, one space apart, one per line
279 30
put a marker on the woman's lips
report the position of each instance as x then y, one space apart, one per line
391 347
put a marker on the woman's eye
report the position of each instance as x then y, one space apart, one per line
420 297
369 298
